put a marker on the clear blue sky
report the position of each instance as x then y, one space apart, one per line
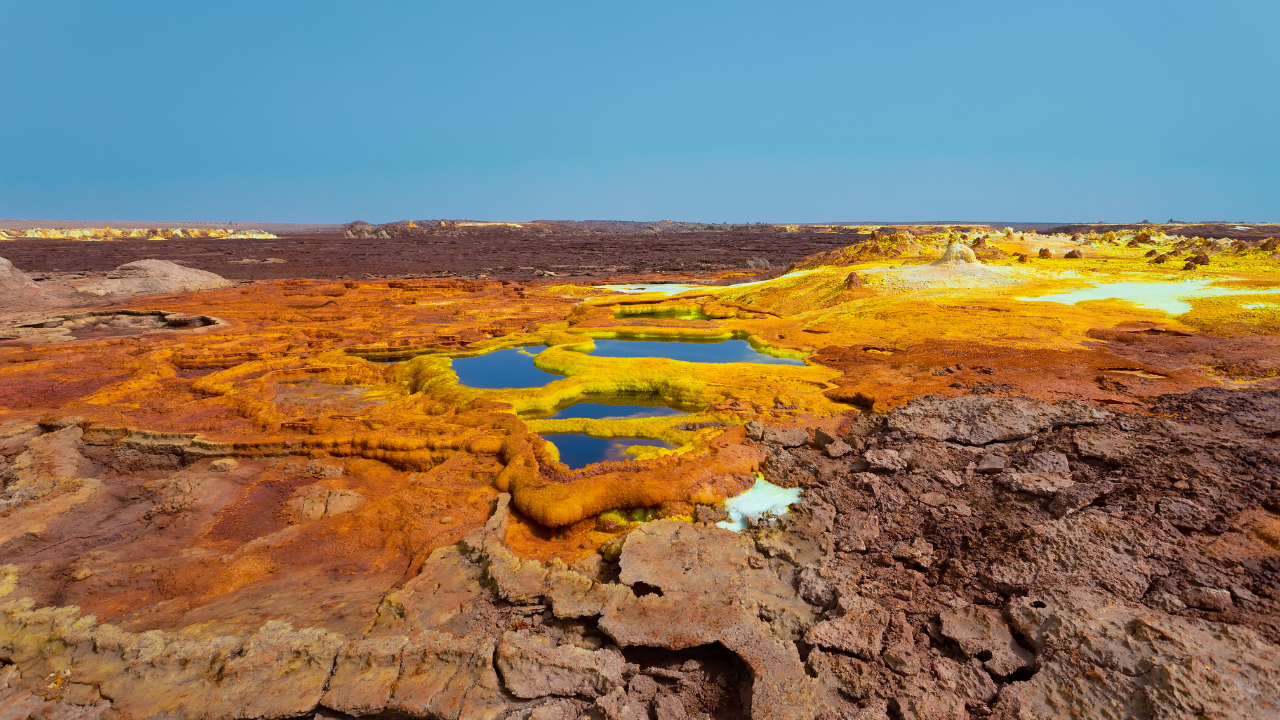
712 111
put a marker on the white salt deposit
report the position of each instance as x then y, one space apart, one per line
1170 297
764 498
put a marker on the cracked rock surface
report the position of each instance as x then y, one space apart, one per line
1135 575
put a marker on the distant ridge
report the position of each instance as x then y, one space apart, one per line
271 227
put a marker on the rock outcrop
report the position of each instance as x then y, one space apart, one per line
17 291
930 588
1137 662
983 419
150 277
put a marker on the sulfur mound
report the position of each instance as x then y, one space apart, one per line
958 267
152 277
16 289
957 252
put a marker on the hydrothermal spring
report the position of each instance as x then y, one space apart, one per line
514 367
578 450
601 411
511 368
764 498
726 351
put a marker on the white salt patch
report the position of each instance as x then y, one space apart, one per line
764 498
1167 296
1259 306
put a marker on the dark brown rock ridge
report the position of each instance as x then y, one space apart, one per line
983 556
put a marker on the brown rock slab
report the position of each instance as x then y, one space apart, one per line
982 419
978 630
533 666
860 631
785 436
1185 514
1131 661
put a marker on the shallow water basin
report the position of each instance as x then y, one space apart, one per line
602 411
726 351
511 368
578 450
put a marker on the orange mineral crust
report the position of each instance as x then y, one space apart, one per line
306 444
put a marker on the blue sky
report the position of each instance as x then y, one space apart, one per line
711 111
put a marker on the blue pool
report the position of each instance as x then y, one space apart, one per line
599 411
578 451
501 369
727 351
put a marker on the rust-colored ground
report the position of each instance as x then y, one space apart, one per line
356 453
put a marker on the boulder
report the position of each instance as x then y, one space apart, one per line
884 460
785 436
822 438
838 449
151 277
1205 598
992 463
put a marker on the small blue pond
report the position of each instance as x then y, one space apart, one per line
598 411
501 369
578 451
728 351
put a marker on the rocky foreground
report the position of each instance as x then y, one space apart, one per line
979 556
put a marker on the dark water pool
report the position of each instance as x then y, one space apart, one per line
727 351
598 411
501 369
578 451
